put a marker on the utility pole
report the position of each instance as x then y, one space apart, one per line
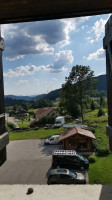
4 138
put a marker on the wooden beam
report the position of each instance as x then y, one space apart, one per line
13 11
107 44
4 140
107 39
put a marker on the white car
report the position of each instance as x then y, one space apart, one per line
54 139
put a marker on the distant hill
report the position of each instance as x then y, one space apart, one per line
25 98
51 95
41 96
12 102
100 86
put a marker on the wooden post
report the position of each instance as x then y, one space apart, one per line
107 44
4 139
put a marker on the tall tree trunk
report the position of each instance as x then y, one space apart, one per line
81 109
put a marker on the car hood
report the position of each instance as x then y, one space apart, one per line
46 140
80 176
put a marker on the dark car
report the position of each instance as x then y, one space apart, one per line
65 176
69 159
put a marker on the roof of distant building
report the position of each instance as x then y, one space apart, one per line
43 112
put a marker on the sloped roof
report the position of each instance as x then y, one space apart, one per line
39 111
76 130
43 112
13 11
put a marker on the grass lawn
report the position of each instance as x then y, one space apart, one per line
32 110
41 133
100 172
98 125
22 125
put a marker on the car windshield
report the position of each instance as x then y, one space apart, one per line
73 175
58 122
61 170
81 157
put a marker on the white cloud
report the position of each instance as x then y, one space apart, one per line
99 28
90 40
36 81
63 57
84 57
61 60
98 55
23 81
84 27
54 79
97 31
72 25
13 73
38 37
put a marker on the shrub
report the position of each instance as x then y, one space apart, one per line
11 126
6 128
92 130
31 113
12 113
102 152
92 159
100 112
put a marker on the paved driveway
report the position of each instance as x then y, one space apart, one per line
11 119
28 162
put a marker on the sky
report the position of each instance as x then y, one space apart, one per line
39 55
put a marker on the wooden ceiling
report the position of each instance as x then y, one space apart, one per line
13 11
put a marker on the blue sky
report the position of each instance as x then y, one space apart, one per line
39 55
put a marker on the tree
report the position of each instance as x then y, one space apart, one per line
25 106
78 84
100 112
102 101
92 105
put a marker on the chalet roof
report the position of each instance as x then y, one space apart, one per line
43 112
39 111
13 11
76 130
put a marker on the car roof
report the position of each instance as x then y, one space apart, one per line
55 135
59 171
64 152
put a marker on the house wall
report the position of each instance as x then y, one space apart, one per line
79 143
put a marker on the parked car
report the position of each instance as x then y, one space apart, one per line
69 159
54 139
65 176
48 126
59 121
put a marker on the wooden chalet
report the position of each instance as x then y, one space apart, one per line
42 112
78 139
21 113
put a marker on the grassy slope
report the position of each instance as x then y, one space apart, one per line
101 170
41 133
22 125
99 125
